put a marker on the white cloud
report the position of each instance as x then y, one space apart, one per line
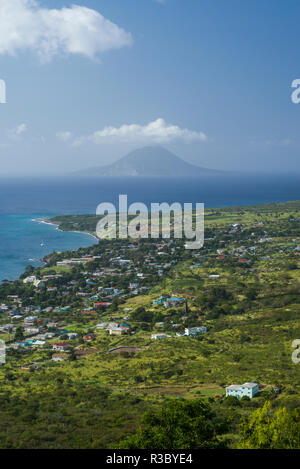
21 129
154 132
15 134
64 136
75 30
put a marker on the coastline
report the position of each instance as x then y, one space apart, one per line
47 222
38 259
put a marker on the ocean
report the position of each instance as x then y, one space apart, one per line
24 241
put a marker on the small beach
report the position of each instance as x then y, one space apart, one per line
48 222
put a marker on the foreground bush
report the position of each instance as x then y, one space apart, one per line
178 425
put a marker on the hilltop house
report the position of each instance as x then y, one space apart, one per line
241 390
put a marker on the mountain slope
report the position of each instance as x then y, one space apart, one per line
149 162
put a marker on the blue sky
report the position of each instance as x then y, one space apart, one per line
210 80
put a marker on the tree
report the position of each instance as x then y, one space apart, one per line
19 335
180 424
267 429
140 314
73 356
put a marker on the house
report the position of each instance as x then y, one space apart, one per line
126 327
60 347
49 335
39 343
159 301
65 309
115 331
102 325
112 325
191 331
173 301
158 336
30 279
30 320
89 337
72 335
31 330
123 262
38 283
241 390
159 324
101 305
51 324
59 357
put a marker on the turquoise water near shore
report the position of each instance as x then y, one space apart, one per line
24 241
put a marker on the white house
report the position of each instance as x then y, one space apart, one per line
241 390
30 279
72 335
158 336
30 320
102 325
31 330
38 343
195 330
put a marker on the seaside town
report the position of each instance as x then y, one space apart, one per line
148 317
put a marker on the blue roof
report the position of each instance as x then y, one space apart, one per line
174 298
